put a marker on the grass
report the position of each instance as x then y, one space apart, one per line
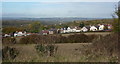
99 50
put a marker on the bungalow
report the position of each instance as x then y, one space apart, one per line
20 33
109 27
93 28
6 35
101 27
84 29
51 32
45 32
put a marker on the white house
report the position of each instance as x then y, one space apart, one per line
51 32
15 34
93 28
24 33
109 26
20 34
78 31
6 35
73 30
84 29
68 28
101 27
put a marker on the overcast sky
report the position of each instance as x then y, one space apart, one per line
58 9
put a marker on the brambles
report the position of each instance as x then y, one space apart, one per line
107 45
104 46
39 39
77 38
8 40
48 49
9 53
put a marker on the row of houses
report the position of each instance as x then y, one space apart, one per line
17 34
99 27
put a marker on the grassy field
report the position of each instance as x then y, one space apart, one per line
66 52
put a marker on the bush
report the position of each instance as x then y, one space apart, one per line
8 40
39 39
9 53
48 49
76 38
103 48
105 45
81 38
29 39
116 23
108 44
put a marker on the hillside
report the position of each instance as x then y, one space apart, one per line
50 21
90 22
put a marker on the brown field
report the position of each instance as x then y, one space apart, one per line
66 52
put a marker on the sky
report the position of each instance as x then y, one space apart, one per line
59 9
60 0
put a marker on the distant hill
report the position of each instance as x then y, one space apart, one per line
48 20
45 21
51 19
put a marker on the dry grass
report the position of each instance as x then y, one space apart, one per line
103 49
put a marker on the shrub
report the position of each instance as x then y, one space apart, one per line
48 49
80 38
105 45
40 48
9 53
8 40
92 37
61 39
108 43
40 39
103 48
116 23
32 39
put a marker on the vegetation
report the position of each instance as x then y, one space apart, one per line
116 23
77 38
12 29
9 40
34 27
9 53
47 50
37 39
90 22
81 25
106 46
